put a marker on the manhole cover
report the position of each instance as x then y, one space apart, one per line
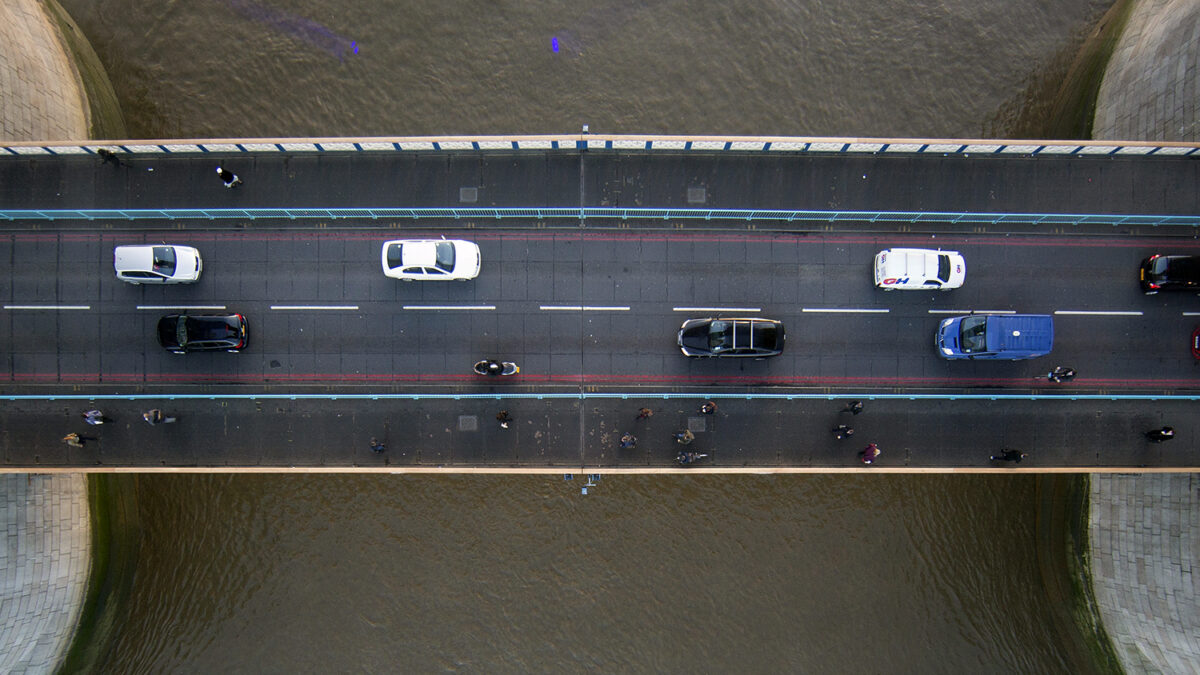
696 195
471 423
469 195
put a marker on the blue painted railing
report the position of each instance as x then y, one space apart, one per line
607 213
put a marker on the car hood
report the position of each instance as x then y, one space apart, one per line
187 262
694 335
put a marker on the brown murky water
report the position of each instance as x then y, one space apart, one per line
525 574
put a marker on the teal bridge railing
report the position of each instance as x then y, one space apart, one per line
606 213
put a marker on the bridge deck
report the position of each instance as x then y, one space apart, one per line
641 274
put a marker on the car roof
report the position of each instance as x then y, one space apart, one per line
419 253
134 257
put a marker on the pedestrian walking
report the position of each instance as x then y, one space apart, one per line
228 177
1009 455
108 156
1059 374
1160 435
156 416
842 431
685 437
643 413
853 407
628 441
74 440
376 446
503 418
94 417
869 454
708 408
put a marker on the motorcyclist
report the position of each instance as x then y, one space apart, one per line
1060 373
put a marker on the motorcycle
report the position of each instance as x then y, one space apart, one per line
493 367
1060 374
685 458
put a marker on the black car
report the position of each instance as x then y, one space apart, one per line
181 333
755 338
1170 273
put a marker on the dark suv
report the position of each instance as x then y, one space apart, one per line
180 333
1170 273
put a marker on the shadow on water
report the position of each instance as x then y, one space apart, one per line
1060 100
113 509
1064 562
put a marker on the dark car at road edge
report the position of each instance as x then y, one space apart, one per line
181 333
731 337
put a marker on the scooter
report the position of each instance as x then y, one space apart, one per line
493 367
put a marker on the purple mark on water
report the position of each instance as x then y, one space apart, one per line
297 26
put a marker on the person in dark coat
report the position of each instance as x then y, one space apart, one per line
228 177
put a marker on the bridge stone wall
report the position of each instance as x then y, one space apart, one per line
1145 551
44 566
1145 529
1151 87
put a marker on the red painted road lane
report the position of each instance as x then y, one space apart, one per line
491 233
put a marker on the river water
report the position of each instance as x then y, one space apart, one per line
930 574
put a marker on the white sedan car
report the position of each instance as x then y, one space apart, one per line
919 269
431 259
157 264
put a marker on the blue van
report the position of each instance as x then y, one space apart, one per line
1008 337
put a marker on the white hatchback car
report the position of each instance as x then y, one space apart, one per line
919 269
431 259
157 264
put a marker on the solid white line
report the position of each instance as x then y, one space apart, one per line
968 311
47 307
1072 312
1191 313
183 307
315 307
582 308
844 311
715 309
472 307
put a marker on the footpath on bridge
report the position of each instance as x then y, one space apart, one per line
574 434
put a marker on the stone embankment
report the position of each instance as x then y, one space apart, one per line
1144 535
44 519
44 567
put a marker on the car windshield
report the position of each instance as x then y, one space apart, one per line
181 332
720 336
973 335
1160 265
164 260
943 273
445 256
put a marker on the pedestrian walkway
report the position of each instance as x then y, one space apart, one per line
43 96
556 431
44 567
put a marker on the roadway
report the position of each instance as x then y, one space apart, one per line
587 307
